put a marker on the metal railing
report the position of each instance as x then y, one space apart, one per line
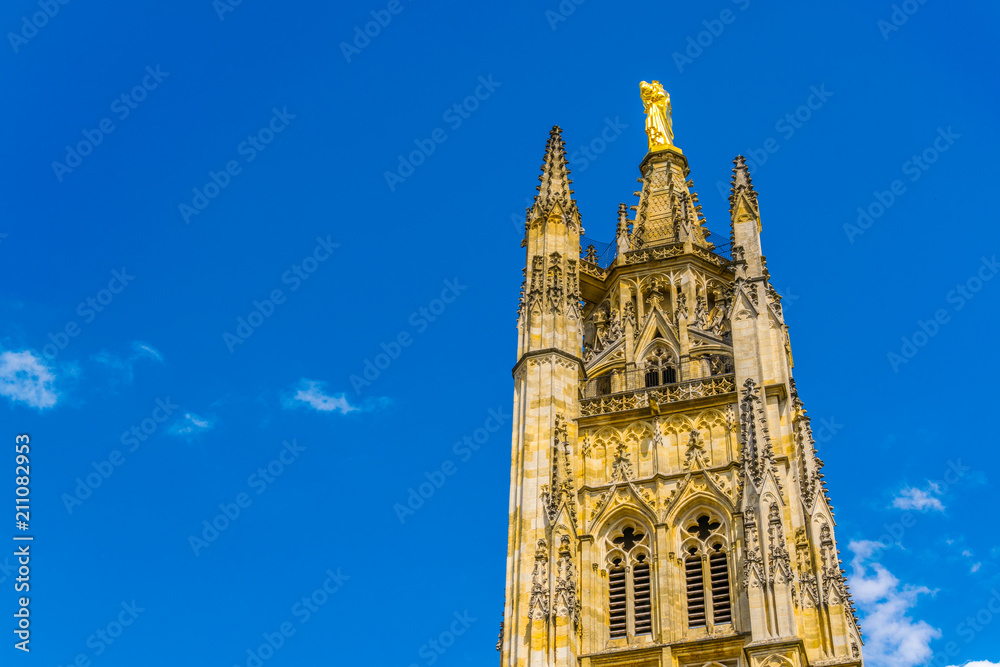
596 252
723 246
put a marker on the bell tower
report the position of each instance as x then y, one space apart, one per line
667 507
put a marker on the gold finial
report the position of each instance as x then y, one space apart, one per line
659 125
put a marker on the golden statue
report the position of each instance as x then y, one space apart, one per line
659 126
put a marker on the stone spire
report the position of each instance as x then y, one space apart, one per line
742 196
744 215
668 210
555 180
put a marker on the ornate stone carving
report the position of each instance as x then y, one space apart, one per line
537 282
695 456
701 313
573 297
682 309
779 562
643 398
628 314
538 603
562 491
555 284
834 590
753 563
756 455
621 468
567 601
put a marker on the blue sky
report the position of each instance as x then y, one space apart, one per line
207 228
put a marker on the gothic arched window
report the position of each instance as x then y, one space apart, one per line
660 368
630 608
706 572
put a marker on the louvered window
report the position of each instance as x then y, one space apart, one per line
630 582
719 567
707 579
695 591
643 609
617 601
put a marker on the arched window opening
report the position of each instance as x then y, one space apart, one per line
604 384
706 571
660 368
630 582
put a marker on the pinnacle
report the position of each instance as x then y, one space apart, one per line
741 184
555 179
741 178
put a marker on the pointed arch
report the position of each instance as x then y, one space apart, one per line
627 544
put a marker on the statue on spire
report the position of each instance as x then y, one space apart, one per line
659 126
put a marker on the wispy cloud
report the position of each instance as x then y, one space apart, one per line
190 425
981 663
125 367
893 637
313 393
916 499
24 378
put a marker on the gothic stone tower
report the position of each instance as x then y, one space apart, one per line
667 507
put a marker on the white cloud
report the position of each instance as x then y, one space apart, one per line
975 567
892 637
915 499
24 377
981 663
140 350
313 394
190 425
